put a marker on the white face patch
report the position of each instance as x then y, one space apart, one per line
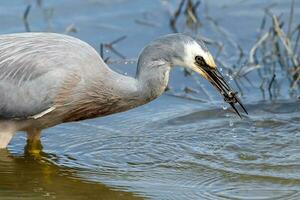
193 49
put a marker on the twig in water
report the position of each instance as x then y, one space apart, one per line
25 18
101 51
116 41
110 47
270 85
173 19
281 60
261 87
285 41
117 53
253 50
297 39
291 19
190 12
296 78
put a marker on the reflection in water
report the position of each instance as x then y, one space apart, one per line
31 176
176 153
183 153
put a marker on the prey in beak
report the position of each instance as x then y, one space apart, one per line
208 70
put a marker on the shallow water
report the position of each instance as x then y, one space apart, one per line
172 148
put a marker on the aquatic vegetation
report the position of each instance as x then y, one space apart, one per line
276 50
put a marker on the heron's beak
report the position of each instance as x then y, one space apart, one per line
218 81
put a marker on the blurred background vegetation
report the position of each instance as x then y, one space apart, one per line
256 43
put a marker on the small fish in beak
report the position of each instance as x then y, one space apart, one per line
198 58
211 73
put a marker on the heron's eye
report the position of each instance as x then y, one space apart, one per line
200 60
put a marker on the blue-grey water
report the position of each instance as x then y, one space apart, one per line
171 148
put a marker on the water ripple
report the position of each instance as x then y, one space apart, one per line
190 154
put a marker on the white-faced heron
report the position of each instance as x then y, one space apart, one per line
47 79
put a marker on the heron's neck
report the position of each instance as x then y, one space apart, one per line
152 78
107 91
125 92
154 66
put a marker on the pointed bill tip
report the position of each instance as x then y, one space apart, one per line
234 108
242 106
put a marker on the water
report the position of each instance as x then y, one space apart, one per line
172 148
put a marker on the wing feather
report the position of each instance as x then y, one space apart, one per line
32 70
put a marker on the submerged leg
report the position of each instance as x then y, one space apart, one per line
33 145
5 137
33 134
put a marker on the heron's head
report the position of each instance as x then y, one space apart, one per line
194 55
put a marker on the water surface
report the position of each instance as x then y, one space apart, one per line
172 148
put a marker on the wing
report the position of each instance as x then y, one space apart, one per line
33 67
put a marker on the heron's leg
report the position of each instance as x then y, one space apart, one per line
5 137
33 134
33 145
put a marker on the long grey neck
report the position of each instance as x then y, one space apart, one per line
152 78
106 91
125 92
153 68
150 81
154 65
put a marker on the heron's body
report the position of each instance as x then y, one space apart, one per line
47 79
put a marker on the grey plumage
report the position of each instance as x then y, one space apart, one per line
48 78
34 67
